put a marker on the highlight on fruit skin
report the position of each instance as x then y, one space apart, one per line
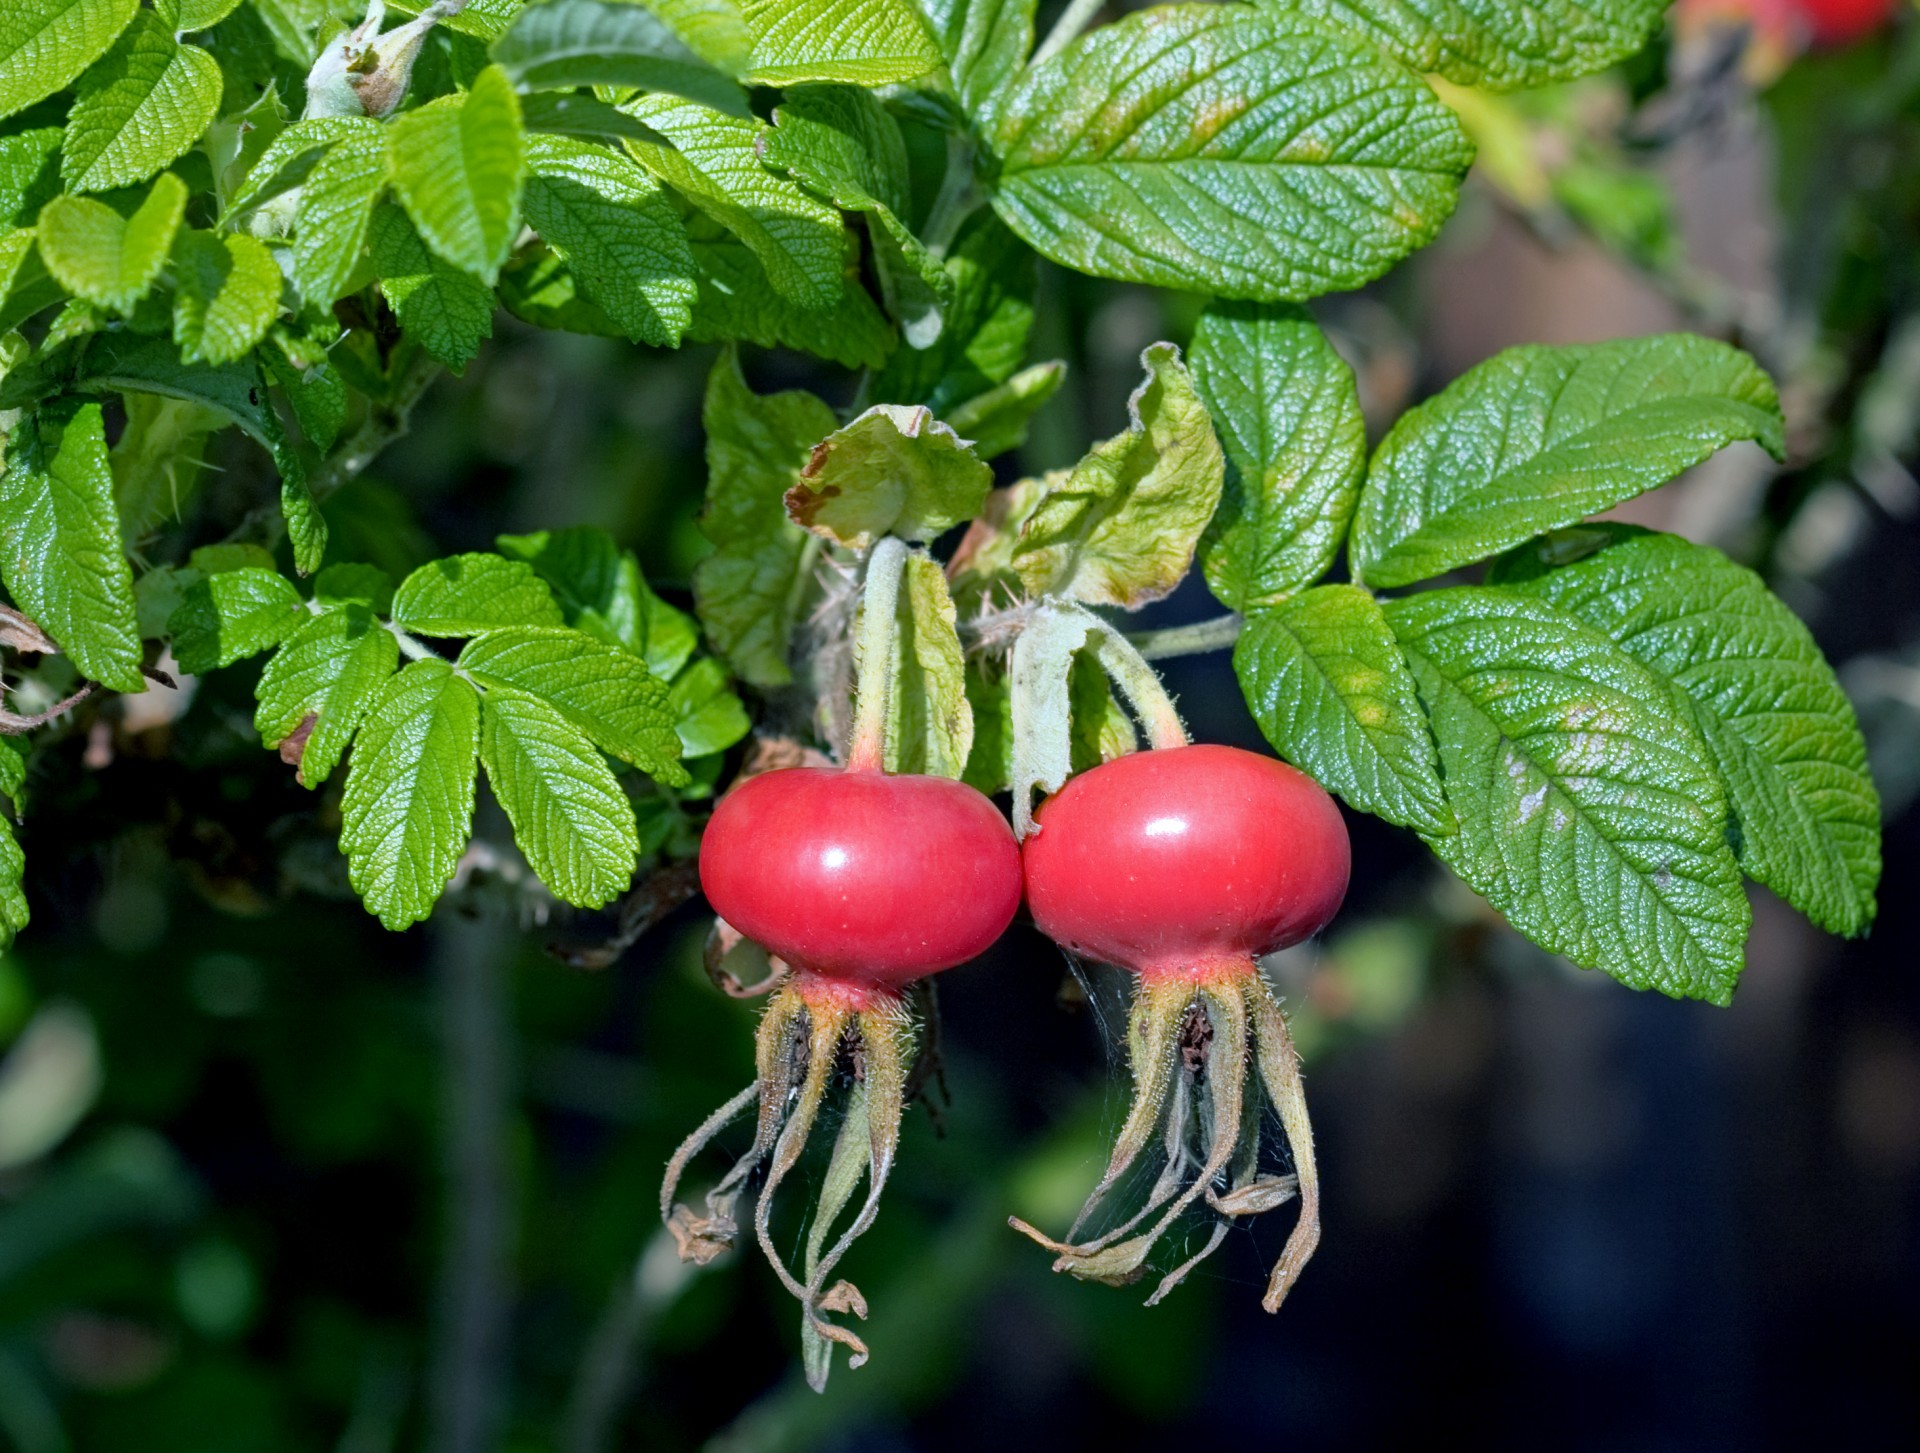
1184 865
861 884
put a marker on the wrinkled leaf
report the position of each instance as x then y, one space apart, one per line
331 670
1223 149
1781 731
749 590
466 595
1288 414
865 42
1122 527
231 615
44 44
930 726
1325 679
98 255
457 164
893 470
1589 812
567 43
226 295
145 103
447 311
600 589
1536 438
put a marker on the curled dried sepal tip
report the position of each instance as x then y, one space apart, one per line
810 1029
1195 1037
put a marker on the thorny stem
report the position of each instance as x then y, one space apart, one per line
1141 685
1194 639
960 197
878 609
1074 19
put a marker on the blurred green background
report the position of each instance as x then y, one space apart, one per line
273 1179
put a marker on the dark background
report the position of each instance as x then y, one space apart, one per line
271 1178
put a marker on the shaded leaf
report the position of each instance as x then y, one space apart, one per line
600 589
748 590
233 614
707 714
447 311
226 295
567 43
930 727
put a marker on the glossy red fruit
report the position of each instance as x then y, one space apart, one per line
864 877
1175 861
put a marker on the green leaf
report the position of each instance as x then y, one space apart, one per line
573 823
465 595
621 232
714 162
600 589
1589 812
336 204
1498 45
482 19
185 16
1325 679
749 590
605 692
317 395
1781 731
14 751
25 287
997 420
840 142
567 43
1536 438
1288 414
445 310
894 470
292 155
226 295
931 723
737 303
983 339
143 105
567 113
355 583
457 164
864 42
408 808
231 615
13 899
1121 528
707 715
990 763
985 43
320 685
60 553
95 253
715 29
1228 150
29 174
44 44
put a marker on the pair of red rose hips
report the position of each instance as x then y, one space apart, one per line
1172 862
1182 864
